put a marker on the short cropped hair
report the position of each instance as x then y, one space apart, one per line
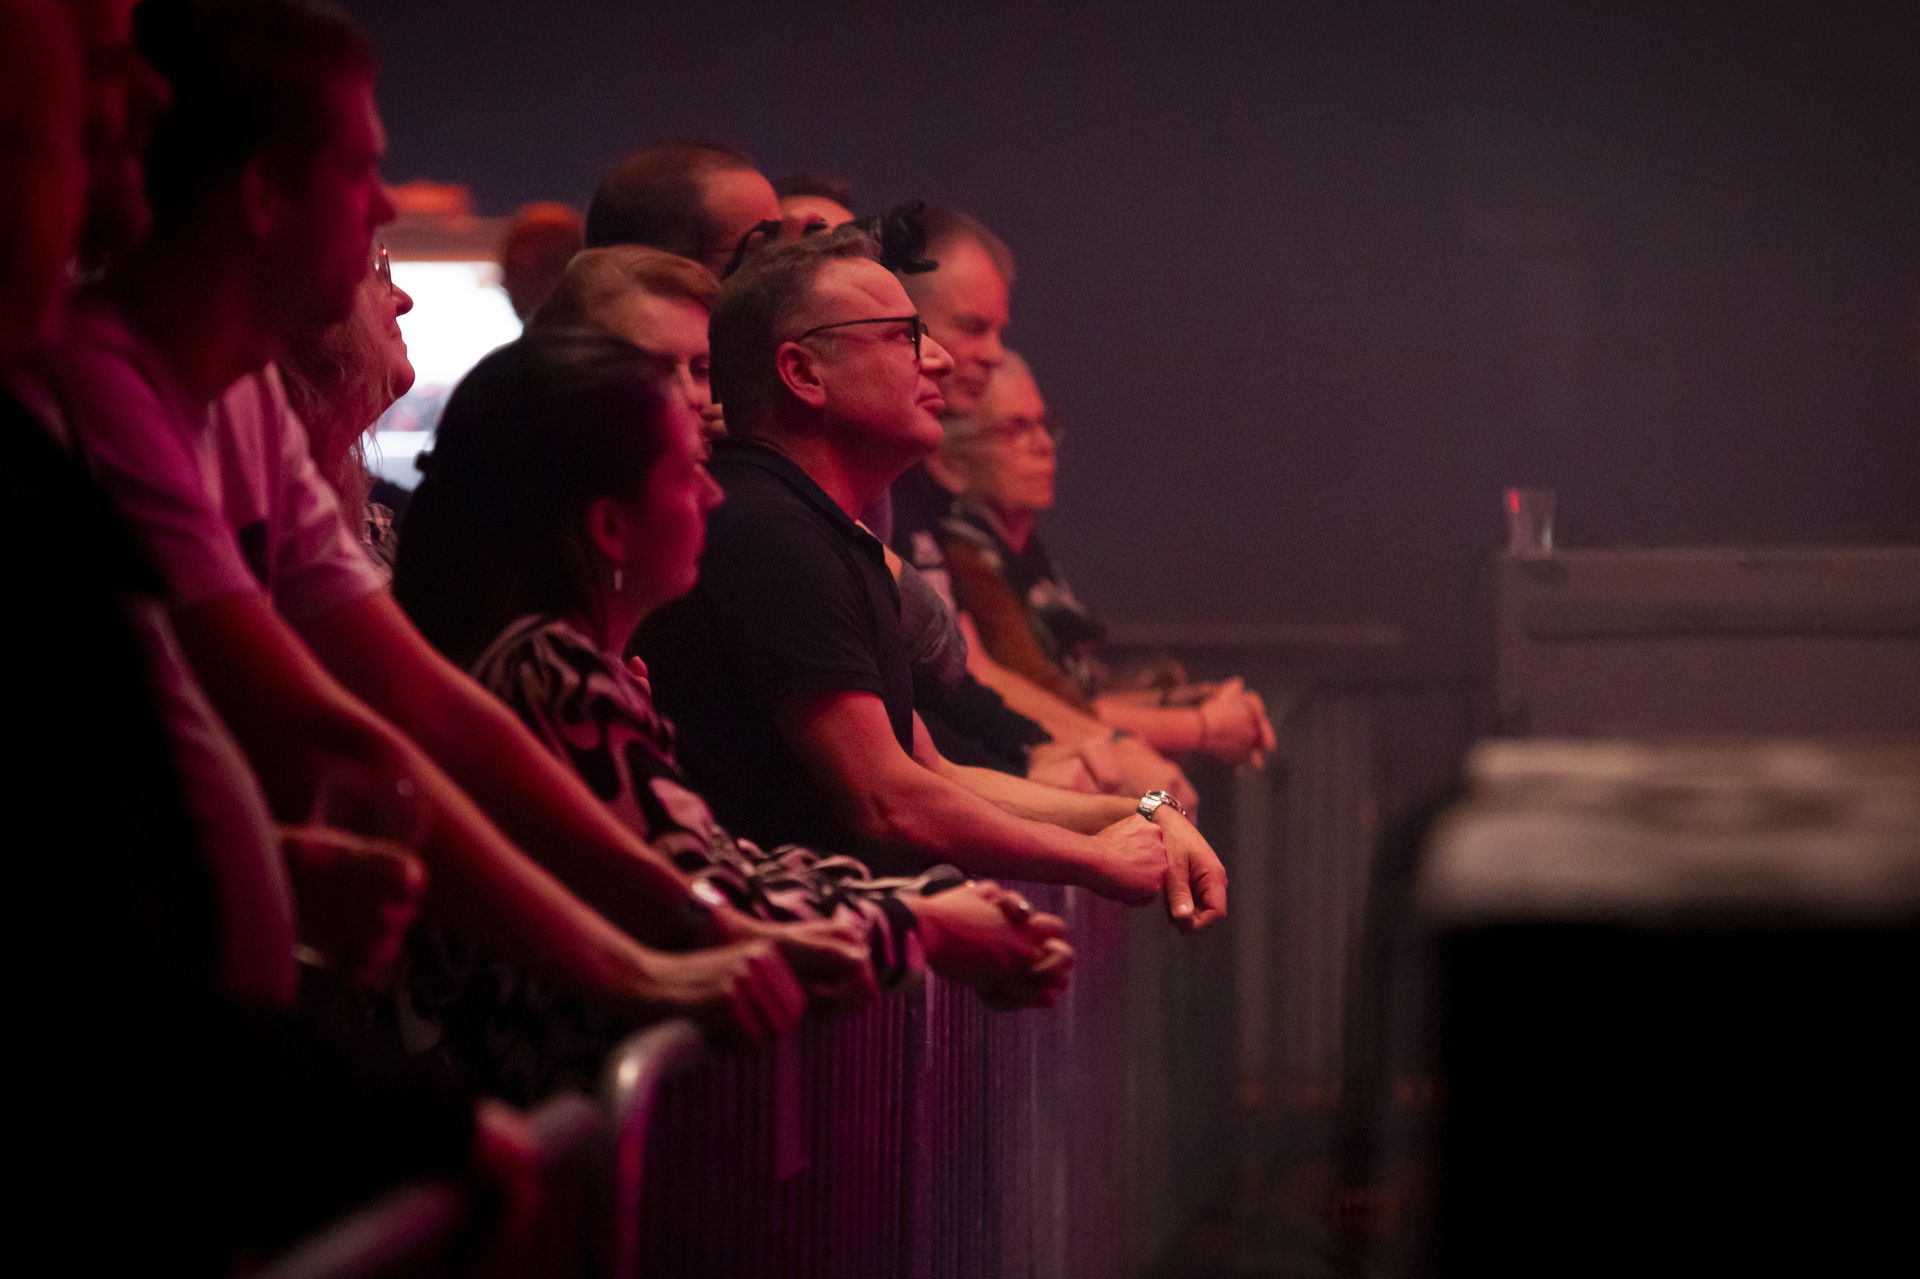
945 224
596 279
754 306
246 76
653 197
839 190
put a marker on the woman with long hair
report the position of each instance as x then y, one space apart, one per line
340 379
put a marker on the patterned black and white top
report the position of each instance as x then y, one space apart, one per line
592 712
511 1034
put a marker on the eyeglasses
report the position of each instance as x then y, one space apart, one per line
1021 430
383 267
915 326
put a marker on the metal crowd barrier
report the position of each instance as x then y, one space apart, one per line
925 1136
929 1137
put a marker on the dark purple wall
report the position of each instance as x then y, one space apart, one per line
1313 281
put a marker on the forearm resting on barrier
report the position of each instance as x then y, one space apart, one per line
898 802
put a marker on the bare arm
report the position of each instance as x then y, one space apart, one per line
294 721
895 801
371 647
1088 814
1230 723
1193 869
1126 766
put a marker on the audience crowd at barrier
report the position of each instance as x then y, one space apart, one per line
720 670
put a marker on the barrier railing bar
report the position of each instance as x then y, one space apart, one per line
420 1221
399 1230
634 1075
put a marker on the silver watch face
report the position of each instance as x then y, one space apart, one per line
1151 802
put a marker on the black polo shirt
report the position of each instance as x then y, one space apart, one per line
794 599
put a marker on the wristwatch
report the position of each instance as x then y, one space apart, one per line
1151 801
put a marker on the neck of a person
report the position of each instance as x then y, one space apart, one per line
855 480
611 620
196 305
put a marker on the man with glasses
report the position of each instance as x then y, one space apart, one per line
786 669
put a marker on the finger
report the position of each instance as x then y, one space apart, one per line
1178 892
1211 884
1044 927
1056 956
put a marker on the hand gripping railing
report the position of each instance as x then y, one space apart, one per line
629 1088
419 1223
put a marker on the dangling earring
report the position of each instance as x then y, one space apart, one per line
619 579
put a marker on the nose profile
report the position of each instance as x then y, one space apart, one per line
934 359
993 352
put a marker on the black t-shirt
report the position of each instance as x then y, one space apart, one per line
794 599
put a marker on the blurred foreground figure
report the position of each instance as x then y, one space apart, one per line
786 667
248 1128
266 190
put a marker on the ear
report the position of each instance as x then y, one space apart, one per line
260 200
799 371
606 528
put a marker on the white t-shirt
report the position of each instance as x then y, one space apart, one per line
225 501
